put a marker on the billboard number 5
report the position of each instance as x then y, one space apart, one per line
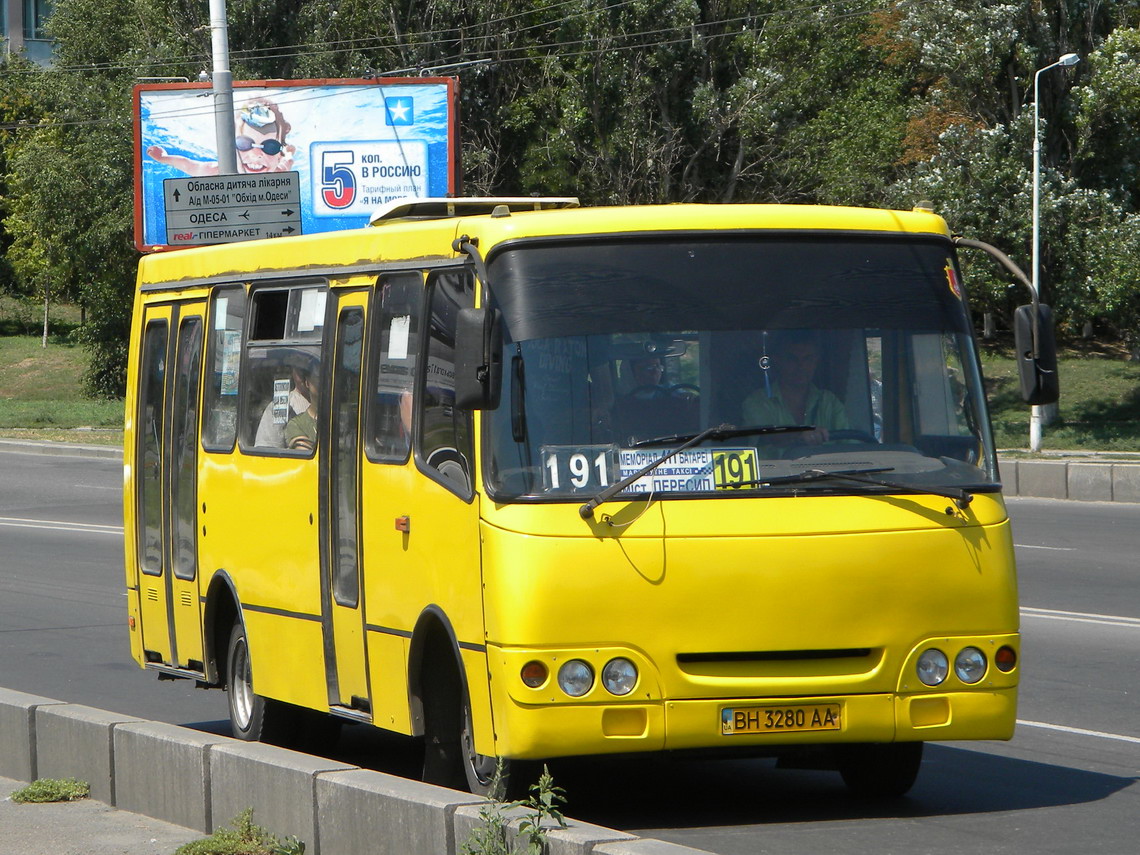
338 182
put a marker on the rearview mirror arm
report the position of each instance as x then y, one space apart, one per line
470 247
1009 264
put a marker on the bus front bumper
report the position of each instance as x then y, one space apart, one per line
535 732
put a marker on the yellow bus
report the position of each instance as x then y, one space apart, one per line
530 480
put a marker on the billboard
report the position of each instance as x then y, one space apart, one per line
338 148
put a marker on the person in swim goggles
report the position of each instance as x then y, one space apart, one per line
260 132
271 147
260 139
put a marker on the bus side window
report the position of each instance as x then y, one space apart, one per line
219 425
443 431
282 369
389 418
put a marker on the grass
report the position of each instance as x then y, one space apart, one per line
46 790
1099 408
41 394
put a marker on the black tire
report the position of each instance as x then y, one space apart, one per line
879 770
450 759
252 717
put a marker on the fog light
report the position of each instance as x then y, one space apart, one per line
575 678
1005 659
933 666
534 674
619 676
970 665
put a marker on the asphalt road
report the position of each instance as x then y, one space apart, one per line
1067 782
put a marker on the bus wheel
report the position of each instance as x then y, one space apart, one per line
486 775
252 717
880 770
450 759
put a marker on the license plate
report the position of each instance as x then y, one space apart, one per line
794 718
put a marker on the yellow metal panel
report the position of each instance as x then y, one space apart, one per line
388 665
287 656
969 715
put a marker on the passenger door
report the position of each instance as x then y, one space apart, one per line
346 659
166 457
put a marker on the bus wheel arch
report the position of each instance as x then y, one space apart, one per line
221 613
441 710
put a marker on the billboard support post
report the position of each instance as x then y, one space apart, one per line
223 88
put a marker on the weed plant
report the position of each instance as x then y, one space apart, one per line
540 810
242 838
52 790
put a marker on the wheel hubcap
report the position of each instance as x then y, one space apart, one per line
241 688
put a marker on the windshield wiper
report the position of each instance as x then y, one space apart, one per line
725 431
961 497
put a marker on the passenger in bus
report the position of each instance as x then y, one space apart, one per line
301 430
271 427
792 398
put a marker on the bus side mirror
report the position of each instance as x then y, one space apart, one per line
478 359
1036 354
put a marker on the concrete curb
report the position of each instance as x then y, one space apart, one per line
201 781
61 449
1077 480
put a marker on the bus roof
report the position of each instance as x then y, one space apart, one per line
409 236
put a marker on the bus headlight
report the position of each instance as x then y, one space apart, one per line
933 666
970 665
619 676
575 678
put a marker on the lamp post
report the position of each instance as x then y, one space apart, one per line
223 89
1069 59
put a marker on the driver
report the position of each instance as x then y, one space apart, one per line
793 398
647 371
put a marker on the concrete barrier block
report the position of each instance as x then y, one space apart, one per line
1126 482
468 818
646 846
1090 482
1045 479
74 741
162 771
279 785
363 811
1007 472
582 838
18 733
578 838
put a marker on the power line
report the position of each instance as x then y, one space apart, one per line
430 37
504 56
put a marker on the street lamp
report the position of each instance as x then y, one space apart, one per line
1066 61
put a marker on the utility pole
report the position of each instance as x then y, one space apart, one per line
223 89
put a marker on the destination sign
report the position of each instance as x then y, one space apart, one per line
228 208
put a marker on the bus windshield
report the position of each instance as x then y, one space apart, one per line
817 353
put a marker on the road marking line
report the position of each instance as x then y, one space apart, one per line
1080 731
1080 617
1051 548
59 525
